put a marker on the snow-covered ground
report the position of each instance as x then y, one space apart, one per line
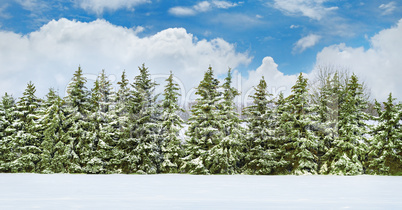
63 191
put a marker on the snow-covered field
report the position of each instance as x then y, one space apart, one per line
63 191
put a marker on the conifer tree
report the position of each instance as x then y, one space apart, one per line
26 139
331 95
122 163
301 144
101 131
225 157
385 149
281 126
349 148
171 125
7 117
78 108
205 130
55 153
261 153
144 139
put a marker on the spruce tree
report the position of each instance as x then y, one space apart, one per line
102 132
144 134
349 147
261 149
26 139
205 130
301 142
78 109
55 153
385 145
121 161
281 119
7 117
171 125
225 157
330 96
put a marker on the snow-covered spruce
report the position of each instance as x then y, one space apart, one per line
261 146
100 131
385 153
172 123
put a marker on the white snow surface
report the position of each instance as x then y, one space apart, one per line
64 191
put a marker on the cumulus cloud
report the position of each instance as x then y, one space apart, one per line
202 6
313 9
49 56
388 8
99 6
379 66
277 81
306 42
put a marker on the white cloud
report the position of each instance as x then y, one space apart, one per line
277 81
202 6
99 6
388 8
306 42
50 55
313 9
379 66
182 11
224 4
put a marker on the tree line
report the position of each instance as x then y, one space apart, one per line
101 131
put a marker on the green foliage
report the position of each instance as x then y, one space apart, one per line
348 152
54 156
7 117
262 148
102 129
172 149
78 124
129 131
385 145
143 146
26 139
301 142
205 131
225 157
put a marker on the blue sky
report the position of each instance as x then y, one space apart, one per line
295 35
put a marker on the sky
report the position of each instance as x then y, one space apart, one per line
45 41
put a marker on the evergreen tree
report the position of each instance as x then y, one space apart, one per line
171 125
26 140
54 156
102 131
346 155
7 117
262 151
121 162
78 109
331 95
205 130
145 138
301 142
385 149
281 119
225 157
